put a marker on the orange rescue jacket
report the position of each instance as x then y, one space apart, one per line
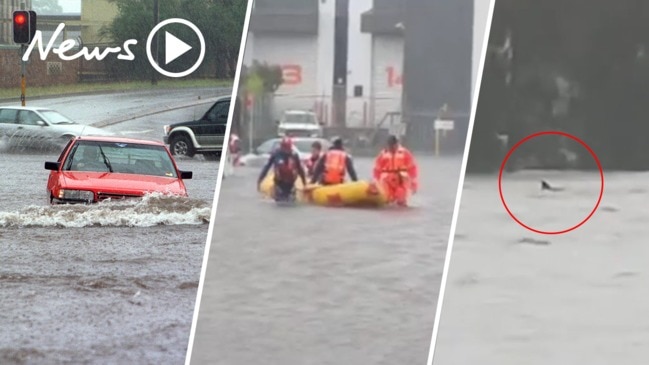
395 162
335 167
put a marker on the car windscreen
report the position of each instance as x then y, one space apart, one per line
268 146
304 146
126 158
56 117
300 119
300 145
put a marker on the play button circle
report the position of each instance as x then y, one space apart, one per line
175 47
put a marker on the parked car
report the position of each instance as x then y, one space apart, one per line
203 136
40 128
301 145
92 169
299 123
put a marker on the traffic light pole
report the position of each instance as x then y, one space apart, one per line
23 77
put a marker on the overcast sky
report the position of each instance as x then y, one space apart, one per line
70 6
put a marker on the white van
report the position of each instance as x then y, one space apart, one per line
299 123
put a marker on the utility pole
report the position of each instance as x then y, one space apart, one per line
156 19
23 69
341 36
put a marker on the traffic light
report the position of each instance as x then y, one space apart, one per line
24 25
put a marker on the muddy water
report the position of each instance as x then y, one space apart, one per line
516 297
315 285
104 284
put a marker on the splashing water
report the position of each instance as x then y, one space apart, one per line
151 210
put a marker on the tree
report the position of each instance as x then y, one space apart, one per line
598 48
261 78
220 22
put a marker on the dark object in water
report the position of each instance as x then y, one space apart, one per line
546 186
533 241
284 195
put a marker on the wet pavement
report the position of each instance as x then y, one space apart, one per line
97 109
318 285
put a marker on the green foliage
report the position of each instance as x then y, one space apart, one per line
599 47
220 22
261 78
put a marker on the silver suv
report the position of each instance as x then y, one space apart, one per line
299 123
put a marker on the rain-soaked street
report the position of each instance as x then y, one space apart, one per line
111 283
317 285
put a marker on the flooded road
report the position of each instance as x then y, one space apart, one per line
515 297
317 285
104 284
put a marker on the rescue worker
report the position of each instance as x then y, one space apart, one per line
316 153
396 170
334 165
235 150
287 167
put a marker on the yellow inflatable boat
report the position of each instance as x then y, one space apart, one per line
351 194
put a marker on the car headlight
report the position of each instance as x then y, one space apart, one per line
166 129
81 195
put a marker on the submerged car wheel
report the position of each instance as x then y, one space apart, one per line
182 146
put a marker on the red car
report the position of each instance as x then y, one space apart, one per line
92 169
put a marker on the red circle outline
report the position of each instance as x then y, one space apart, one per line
544 133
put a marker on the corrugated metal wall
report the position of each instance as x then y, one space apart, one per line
437 69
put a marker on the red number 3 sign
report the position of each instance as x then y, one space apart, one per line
394 78
292 74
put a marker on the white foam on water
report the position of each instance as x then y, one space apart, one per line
151 210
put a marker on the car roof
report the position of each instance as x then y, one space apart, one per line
298 139
298 112
119 140
220 98
32 108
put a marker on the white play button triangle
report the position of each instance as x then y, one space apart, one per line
174 47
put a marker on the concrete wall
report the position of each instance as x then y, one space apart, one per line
291 51
480 17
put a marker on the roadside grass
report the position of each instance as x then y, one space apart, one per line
81 88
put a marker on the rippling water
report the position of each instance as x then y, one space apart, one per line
149 211
317 285
516 297
111 283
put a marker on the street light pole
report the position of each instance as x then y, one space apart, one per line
156 19
341 36
23 69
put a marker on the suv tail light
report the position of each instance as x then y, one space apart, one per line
167 129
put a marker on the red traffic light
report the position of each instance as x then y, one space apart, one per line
24 26
20 18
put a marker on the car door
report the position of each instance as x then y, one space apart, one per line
8 126
216 122
32 130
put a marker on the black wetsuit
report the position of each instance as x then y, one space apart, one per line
319 168
287 167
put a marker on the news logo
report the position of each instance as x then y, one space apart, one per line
174 46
